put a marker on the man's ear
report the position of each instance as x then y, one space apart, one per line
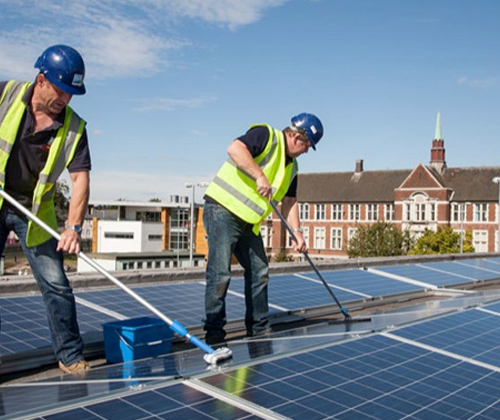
40 79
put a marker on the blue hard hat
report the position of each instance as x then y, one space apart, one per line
63 66
311 125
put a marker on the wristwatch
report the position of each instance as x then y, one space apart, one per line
298 230
76 228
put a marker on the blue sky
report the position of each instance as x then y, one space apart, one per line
172 82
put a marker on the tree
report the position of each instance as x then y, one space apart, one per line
444 241
283 256
379 240
61 201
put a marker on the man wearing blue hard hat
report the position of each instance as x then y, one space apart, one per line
41 136
261 167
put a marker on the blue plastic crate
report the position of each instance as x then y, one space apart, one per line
136 338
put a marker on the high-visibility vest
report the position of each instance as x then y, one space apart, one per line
62 150
237 191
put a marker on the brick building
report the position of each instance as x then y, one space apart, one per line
333 204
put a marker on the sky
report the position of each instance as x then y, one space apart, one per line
170 83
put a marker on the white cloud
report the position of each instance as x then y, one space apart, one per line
478 83
167 104
231 13
118 38
135 186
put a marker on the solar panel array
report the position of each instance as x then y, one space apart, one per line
24 325
416 372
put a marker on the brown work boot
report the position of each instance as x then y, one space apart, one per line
79 368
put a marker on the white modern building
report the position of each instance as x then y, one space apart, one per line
130 235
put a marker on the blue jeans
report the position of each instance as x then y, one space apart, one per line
47 267
227 235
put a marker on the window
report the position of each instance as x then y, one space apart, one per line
336 239
148 216
480 213
432 216
336 211
480 240
119 235
420 212
389 212
407 212
155 237
320 211
419 208
459 212
319 238
267 236
179 240
179 229
305 235
354 212
351 232
371 212
455 212
179 218
304 211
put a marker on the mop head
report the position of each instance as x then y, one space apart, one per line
222 353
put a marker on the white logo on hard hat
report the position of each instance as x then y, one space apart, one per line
313 129
77 79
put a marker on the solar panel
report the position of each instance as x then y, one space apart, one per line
422 273
474 334
485 264
183 301
455 268
176 401
368 283
370 378
293 293
398 374
24 324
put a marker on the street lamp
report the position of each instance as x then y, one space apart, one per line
462 213
191 217
496 180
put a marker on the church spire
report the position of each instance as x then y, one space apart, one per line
438 135
437 152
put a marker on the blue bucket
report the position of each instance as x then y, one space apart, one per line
136 338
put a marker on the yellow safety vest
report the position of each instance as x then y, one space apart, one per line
62 150
237 191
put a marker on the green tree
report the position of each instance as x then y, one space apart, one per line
61 201
283 256
378 240
444 241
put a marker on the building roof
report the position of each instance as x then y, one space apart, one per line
469 184
350 187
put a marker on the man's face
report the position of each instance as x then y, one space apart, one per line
298 144
53 98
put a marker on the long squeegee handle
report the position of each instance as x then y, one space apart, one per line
183 332
309 260
174 325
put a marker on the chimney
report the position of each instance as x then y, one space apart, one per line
437 152
359 166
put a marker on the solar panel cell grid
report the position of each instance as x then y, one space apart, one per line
404 382
425 275
464 270
365 282
171 402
